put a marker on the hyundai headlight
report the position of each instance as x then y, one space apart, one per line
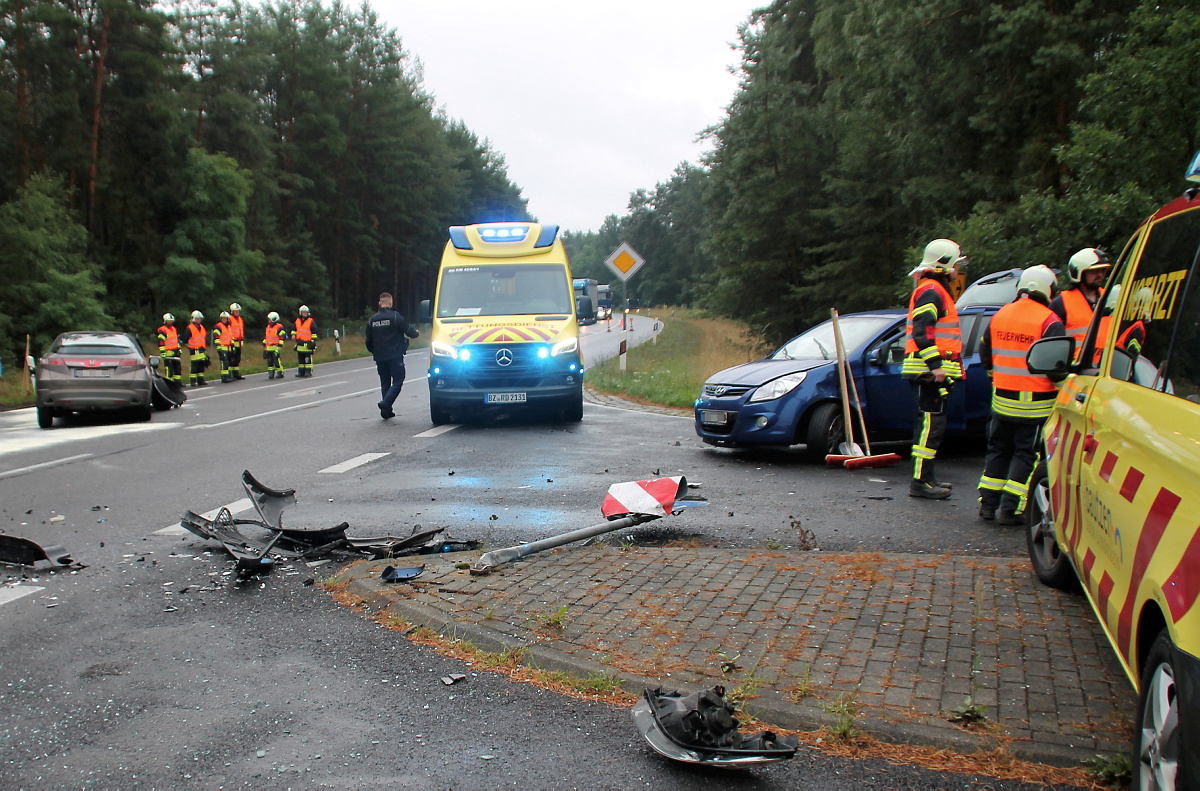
778 387
564 347
443 350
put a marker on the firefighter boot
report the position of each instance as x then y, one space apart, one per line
929 490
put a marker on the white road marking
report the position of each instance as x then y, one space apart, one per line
12 594
357 461
692 418
237 420
436 431
43 465
309 390
235 508
23 434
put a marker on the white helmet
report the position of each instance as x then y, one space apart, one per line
197 316
942 255
1085 260
1037 281
168 317
234 307
272 316
304 310
224 314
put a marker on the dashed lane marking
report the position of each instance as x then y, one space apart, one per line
43 465
435 431
16 592
235 508
305 405
357 461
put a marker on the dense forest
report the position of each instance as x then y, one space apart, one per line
1024 129
158 158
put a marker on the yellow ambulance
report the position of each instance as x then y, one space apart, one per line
1116 506
504 329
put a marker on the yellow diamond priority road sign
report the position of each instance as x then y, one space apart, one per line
624 261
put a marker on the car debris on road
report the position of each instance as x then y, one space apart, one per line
18 551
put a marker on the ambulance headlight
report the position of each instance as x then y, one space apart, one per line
778 387
464 355
564 347
443 350
543 352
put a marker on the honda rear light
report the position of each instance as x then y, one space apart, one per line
51 361
132 362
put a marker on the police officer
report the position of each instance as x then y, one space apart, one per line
932 359
239 336
387 341
168 349
1074 307
1021 401
273 337
223 336
196 338
305 336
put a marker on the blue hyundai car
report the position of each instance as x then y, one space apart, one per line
792 396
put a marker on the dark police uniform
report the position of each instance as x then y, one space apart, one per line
387 341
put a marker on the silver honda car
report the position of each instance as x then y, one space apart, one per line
85 371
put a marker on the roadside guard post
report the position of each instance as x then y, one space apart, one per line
626 504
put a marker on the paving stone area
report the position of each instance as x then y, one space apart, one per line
911 636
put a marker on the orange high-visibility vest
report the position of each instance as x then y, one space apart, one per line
238 326
199 337
272 337
304 330
171 340
224 335
1014 329
946 332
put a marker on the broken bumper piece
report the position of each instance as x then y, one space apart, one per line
24 552
700 729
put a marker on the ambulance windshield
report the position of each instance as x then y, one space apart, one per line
504 290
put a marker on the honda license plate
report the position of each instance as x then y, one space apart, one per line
83 372
713 417
505 398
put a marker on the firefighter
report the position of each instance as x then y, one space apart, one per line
306 342
223 336
932 359
273 338
196 338
168 349
1021 401
1075 306
239 336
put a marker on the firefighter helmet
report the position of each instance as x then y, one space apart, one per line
272 316
1086 260
168 317
304 310
234 307
942 255
1038 283
224 314
197 316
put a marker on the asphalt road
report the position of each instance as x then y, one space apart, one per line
152 667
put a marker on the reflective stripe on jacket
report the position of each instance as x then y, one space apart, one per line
946 348
238 326
274 335
1019 393
224 334
304 330
198 338
168 338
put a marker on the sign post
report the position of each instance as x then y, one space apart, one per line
624 262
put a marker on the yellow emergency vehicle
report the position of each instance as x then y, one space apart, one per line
504 328
1116 506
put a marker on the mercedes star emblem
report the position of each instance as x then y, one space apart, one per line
504 357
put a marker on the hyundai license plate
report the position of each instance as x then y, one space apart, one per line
713 417
505 398
92 372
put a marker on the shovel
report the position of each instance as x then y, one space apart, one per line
848 448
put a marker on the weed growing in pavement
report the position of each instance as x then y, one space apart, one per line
493 660
627 545
1114 770
606 660
331 583
489 614
596 683
424 633
774 545
554 620
728 663
844 710
804 686
807 538
745 690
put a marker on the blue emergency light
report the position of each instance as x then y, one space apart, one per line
1193 170
505 233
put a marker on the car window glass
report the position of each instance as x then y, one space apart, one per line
966 323
1154 297
817 343
1000 291
94 349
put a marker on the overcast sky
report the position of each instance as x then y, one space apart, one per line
586 101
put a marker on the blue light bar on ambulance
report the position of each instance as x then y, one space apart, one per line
504 233
1193 171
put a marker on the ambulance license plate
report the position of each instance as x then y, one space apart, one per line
505 398
713 417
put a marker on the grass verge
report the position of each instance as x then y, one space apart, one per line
670 372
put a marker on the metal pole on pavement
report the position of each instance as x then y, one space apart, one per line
490 560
